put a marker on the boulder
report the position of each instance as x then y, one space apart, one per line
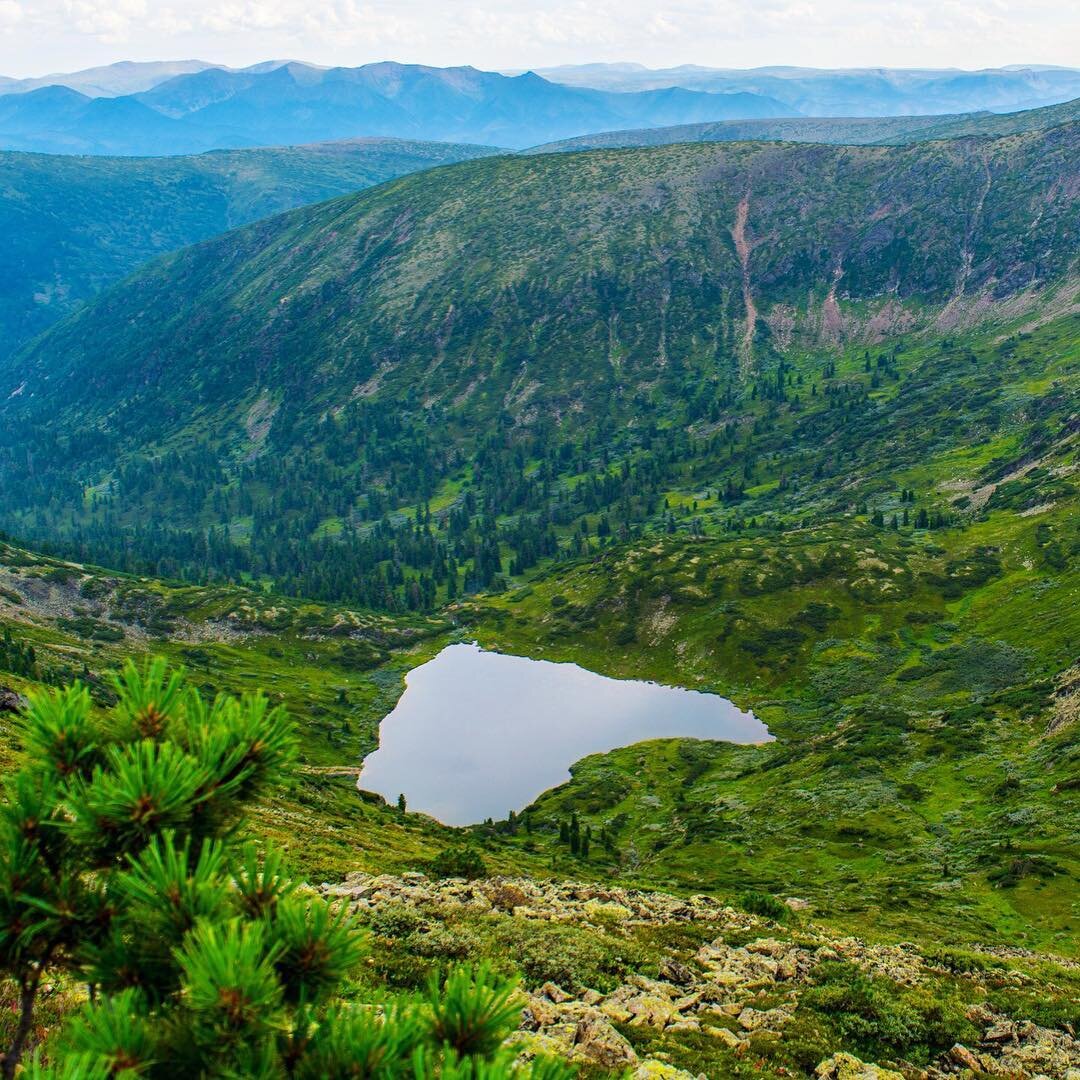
650 1010
963 1057
555 1042
11 701
598 1043
538 1013
554 993
849 1067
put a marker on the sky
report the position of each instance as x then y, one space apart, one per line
44 36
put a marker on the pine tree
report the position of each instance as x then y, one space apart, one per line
118 866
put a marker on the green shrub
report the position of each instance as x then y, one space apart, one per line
764 904
876 1018
458 862
574 959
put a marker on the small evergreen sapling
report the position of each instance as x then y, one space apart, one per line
118 866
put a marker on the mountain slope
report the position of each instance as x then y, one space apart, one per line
296 103
853 131
267 398
512 269
71 226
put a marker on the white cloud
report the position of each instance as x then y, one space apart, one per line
10 14
49 34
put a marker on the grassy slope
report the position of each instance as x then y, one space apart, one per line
72 226
910 676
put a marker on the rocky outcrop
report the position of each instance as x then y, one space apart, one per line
741 988
563 901
1009 1048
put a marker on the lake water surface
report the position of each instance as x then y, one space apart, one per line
477 733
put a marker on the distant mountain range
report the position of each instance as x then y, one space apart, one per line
189 106
291 103
851 131
849 92
110 80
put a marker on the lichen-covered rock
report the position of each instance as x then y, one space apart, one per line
769 1019
650 1010
554 993
598 1043
849 1067
660 1070
726 1036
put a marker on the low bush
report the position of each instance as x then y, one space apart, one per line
764 904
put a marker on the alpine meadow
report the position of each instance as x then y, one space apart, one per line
719 391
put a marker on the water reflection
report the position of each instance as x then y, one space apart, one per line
477 733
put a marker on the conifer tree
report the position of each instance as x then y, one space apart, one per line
119 868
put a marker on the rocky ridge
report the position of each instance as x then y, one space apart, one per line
741 994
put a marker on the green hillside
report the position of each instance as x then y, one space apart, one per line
794 424
849 130
319 389
72 226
